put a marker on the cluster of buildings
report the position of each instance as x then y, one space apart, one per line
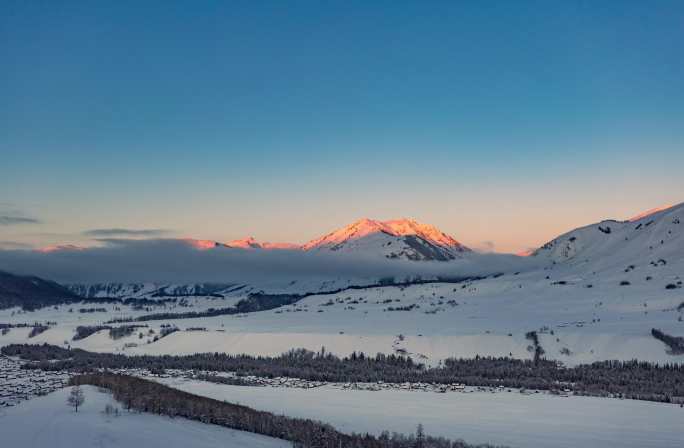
297 383
17 384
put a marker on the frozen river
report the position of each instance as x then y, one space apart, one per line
506 418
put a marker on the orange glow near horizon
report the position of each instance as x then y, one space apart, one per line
524 231
58 247
200 244
650 212
525 253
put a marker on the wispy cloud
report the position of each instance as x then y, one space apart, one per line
10 245
125 232
10 220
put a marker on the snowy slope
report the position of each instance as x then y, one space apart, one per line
17 290
48 422
657 237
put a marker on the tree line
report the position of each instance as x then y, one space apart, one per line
149 396
625 379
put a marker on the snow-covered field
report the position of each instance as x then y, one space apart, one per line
507 418
48 422
490 317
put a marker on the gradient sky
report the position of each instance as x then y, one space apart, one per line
503 123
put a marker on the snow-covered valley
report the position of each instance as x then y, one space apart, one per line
504 418
595 293
431 321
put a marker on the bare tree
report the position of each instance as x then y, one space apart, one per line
76 397
420 436
110 410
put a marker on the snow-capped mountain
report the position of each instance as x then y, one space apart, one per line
251 243
401 238
245 243
395 239
654 237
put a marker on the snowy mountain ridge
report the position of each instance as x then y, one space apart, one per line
400 238
396 239
147 289
656 236
396 227
251 243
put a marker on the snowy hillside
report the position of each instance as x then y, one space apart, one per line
27 291
656 237
48 422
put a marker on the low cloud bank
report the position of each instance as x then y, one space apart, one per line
171 260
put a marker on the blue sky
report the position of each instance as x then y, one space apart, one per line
502 122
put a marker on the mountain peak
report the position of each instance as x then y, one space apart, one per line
397 238
252 243
244 243
405 227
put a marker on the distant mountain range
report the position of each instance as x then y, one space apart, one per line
150 289
395 239
655 237
652 232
